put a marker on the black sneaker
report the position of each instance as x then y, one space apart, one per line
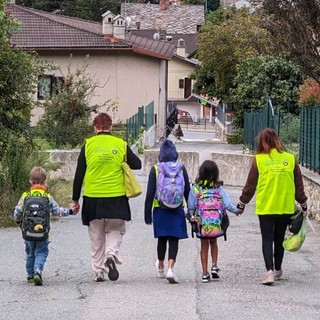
113 273
205 277
214 272
37 279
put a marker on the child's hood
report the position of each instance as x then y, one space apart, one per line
168 152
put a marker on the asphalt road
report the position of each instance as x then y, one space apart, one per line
69 291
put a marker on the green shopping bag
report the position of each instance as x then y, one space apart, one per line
294 242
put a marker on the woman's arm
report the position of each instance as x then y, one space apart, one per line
133 160
250 187
79 175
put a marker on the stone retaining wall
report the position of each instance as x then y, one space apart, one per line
234 169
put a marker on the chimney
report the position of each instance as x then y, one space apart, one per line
138 25
119 27
164 5
107 23
181 48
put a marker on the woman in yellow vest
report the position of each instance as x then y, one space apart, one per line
105 208
276 178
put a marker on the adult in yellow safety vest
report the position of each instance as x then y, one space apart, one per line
105 207
276 179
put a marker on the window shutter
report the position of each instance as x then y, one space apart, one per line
187 88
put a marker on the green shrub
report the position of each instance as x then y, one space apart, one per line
20 157
235 138
290 129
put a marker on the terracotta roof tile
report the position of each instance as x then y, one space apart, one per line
40 29
43 30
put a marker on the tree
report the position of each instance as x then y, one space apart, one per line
67 111
309 93
19 72
84 9
262 77
234 36
295 25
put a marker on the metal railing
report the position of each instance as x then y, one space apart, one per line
256 121
309 155
142 120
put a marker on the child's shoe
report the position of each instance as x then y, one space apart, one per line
205 277
171 276
37 278
159 271
214 272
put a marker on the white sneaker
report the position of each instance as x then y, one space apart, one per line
159 271
171 276
98 276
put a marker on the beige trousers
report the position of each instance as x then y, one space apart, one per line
105 238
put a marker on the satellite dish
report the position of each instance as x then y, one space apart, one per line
156 36
128 21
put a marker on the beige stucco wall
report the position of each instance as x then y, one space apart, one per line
131 79
177 70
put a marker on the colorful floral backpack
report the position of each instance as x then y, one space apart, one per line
210 217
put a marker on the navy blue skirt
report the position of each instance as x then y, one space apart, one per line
169 223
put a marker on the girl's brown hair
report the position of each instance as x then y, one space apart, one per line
267 140
102 122
208 174
38 175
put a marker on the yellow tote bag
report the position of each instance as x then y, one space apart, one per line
131 183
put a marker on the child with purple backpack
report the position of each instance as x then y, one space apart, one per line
167 192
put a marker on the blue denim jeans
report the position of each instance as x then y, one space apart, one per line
36 255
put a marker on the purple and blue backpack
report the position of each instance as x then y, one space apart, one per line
170 184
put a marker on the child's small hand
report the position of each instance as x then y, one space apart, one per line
239 213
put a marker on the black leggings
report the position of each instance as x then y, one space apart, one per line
273 228
162 248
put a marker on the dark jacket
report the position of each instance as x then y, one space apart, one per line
167 153
102 208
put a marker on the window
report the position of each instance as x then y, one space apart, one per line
46 84
181 83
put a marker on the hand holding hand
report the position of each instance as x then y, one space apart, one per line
239 213
75 207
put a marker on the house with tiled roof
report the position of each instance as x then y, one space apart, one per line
131 70
173 22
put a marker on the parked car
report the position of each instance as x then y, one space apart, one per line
184 117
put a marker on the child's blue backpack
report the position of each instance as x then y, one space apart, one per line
170 184
210 218
35 224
